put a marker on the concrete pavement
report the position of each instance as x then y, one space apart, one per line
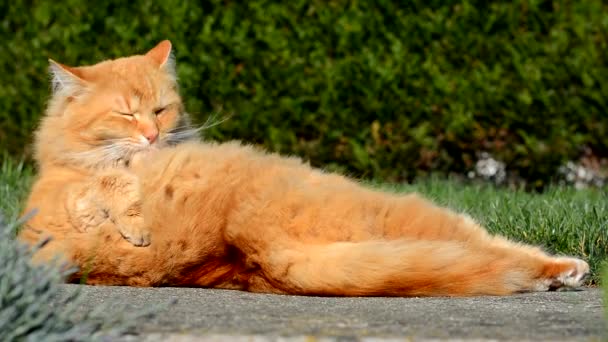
220 315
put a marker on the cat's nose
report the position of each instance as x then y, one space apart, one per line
151 134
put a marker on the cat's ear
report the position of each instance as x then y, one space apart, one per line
65 79
161 55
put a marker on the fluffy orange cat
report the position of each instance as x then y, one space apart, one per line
125 197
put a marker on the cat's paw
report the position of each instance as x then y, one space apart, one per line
132 228
564 272
83 214
575 273
136 236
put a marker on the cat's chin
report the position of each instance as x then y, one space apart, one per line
138 158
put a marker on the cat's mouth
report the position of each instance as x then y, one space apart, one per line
141 150
136 158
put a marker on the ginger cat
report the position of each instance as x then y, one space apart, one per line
129 205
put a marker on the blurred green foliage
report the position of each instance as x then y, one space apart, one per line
378 89
33 306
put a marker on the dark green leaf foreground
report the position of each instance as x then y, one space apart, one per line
562 220
384 90
30 296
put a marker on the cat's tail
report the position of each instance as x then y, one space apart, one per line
419 268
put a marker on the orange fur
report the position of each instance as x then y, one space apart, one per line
231 216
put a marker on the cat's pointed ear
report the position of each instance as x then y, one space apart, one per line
65 79
161 55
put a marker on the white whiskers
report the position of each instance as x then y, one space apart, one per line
185 133
112 152
180 134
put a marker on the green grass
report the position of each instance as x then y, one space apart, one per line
562 220
15 181
605 285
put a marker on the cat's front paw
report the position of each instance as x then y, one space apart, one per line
83 214
136 236
131 226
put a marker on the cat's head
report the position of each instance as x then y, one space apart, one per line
104 114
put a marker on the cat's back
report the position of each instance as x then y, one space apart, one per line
223 164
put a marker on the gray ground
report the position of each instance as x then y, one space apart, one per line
204 314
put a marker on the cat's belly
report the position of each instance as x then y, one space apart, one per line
206 186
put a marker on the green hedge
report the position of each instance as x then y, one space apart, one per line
378 89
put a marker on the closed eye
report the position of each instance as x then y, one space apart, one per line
159 111
124 114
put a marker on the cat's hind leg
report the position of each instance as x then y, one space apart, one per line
411 248
411 268
411 216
